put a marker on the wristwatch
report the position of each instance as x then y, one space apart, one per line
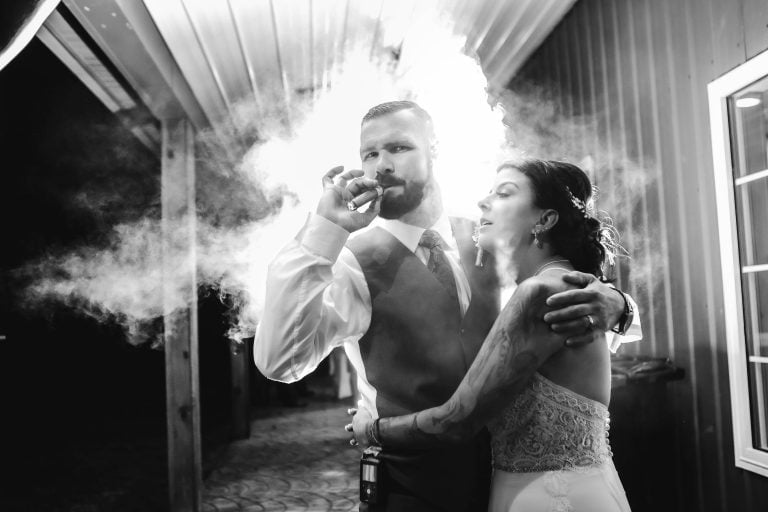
625 320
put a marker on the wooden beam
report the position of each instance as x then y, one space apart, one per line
180 309
27 27
240 357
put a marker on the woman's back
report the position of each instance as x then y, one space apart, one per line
550 443
560 421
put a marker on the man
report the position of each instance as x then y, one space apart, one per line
406 301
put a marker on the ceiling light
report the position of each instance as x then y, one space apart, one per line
749 101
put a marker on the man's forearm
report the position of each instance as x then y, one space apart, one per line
299 326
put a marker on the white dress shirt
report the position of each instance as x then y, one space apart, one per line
317 299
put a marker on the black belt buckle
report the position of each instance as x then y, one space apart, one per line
372 476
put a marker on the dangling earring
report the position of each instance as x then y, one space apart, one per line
538 230
479 257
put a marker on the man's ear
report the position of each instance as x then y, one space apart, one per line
548 219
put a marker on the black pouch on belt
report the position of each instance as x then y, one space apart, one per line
372 477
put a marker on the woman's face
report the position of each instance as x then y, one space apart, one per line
508 212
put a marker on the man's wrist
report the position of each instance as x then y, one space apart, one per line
625 320
323 237
373 434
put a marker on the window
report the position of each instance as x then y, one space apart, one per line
738 103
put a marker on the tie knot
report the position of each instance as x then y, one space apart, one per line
430 239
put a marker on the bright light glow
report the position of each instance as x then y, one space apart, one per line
299 140
749 101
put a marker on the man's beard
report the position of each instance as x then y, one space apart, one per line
396 207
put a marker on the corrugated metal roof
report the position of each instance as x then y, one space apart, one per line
204 56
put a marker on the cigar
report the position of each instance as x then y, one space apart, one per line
365 197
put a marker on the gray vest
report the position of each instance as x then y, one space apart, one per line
416 351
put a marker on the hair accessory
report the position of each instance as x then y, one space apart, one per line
577 203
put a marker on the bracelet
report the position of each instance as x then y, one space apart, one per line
373 433
621 327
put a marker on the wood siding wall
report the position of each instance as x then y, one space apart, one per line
641 68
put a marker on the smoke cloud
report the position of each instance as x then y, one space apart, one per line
258 174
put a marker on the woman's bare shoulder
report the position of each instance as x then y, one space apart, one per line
532 294
549 282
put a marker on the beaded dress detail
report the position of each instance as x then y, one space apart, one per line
550 428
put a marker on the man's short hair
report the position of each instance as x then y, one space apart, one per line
390 107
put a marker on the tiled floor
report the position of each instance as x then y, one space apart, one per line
296 460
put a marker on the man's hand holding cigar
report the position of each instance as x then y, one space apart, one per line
344 193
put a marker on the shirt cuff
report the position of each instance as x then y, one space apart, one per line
634 330
322 237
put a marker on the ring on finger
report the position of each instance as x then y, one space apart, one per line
590 322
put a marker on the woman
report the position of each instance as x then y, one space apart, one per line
546 408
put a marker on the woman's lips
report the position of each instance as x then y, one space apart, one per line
484 223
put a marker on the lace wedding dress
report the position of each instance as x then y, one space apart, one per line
551 454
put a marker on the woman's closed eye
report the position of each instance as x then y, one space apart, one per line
505 190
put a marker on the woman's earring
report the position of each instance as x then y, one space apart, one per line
536 232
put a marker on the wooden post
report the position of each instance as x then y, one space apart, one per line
240 357
180 310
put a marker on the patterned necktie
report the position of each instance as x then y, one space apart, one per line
438 263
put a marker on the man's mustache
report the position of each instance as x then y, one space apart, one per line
388 180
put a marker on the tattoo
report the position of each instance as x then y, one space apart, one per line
518 343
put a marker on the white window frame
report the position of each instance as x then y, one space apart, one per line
719 90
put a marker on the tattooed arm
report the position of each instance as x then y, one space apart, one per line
518 343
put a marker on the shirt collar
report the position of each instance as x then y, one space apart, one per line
409 235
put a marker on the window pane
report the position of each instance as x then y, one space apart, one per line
751 215
749 144
748 109
755 290
758 390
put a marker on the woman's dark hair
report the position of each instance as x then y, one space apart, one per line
578 235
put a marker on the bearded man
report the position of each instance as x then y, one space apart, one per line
405 300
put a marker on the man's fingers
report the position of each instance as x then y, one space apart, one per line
571 328
375 207
330 175
372 211
349 175
570 297
361 184
578 278
570 313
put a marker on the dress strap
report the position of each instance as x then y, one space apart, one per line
555 268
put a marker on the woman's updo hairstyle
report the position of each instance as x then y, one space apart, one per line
578 235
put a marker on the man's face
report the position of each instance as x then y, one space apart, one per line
396 150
